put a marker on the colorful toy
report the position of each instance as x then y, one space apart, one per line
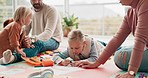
47 53
42 59
38 61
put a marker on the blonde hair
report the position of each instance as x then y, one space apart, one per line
76 35
21 13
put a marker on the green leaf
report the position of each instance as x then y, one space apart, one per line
70 21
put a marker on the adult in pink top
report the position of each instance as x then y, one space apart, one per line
134 22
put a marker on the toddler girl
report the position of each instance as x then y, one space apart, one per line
10 36
80 48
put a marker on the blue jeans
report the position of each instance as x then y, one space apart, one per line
50 44
40 46
103 43
122 58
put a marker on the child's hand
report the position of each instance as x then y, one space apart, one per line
23 54
76 64
20 51
65 62
32 46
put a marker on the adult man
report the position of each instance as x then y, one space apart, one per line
45 25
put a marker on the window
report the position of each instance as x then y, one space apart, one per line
96 17
5 12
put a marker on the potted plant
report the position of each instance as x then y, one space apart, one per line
69 23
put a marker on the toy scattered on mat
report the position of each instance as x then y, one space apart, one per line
142 75
48 53
47 73
38 61
45 53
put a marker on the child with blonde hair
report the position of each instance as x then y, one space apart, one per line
10 36
80 48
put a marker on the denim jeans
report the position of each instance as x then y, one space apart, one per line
40 46
50 44
122 58
103 43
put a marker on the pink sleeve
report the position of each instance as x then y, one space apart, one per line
141 36
115 42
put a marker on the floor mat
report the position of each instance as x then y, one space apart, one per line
104 71
22 70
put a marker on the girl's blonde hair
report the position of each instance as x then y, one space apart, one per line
76 35
21 13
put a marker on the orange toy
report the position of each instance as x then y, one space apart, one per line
47 62
36 61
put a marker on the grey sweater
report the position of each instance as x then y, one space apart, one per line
91 52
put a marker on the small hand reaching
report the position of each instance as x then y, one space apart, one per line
76 64
20 51
65 62
87 64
